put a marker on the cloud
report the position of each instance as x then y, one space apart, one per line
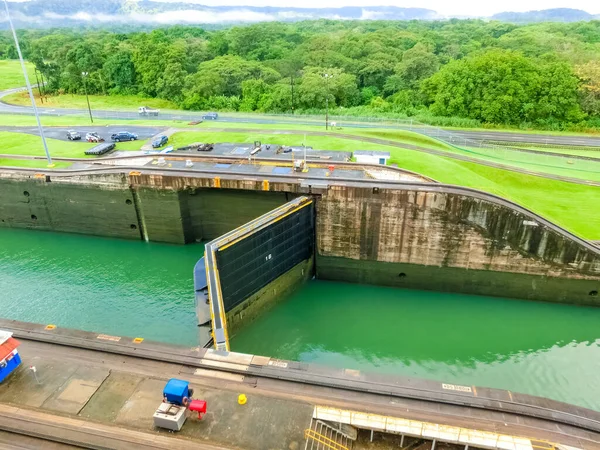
168 17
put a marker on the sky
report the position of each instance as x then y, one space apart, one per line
444 7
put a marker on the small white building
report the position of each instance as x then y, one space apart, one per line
371 157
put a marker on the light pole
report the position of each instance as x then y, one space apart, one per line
327 77
83 75
292 85
35 110
38 85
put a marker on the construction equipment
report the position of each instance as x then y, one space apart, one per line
177 398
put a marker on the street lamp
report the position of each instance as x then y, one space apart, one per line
83 75
35 110
327 78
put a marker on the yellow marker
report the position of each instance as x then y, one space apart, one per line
50 327
217 182
242 399
138 340
50 166
265 185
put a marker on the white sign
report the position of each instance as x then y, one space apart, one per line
107 337
456 387
277 363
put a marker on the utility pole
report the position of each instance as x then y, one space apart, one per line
327 77
83 75
38 85
35 110
44 92
292 84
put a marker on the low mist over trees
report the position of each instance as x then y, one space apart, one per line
545 75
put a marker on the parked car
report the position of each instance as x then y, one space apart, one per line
124 136
210 116
73 135
160 141
93 137
147 111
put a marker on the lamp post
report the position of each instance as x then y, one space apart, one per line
327 77
83 75
292 85
35 110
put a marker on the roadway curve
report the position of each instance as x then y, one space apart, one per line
581 140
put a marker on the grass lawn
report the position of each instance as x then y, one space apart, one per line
592 152
101 102
566 204
35 163
11 75
28 144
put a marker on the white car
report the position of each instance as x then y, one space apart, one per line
93 137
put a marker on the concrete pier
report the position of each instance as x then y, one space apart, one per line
91 385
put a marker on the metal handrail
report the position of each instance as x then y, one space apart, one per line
309 433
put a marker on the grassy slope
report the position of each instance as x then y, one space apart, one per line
11 75
101 102
566 204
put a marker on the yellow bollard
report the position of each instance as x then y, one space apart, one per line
242 399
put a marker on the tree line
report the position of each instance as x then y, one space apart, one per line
457 71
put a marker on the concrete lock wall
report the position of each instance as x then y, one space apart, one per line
449 242
98 208
108 206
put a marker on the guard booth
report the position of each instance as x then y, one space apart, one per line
9 356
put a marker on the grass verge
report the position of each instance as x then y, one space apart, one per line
11 75
101 102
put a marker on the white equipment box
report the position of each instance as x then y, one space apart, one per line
169 416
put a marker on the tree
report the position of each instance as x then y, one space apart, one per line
252 94
120 72
501 86
314 89
417 64
589 88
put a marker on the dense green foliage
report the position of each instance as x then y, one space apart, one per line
543 75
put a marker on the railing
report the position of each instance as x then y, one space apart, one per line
310 434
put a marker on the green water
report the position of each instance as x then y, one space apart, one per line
113 286
139 289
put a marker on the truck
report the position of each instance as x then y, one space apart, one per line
147 111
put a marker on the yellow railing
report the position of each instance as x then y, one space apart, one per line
329 443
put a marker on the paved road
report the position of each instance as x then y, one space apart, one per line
590 141
257 119
105 132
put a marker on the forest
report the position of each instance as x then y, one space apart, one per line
455 72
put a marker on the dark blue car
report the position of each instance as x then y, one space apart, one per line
160 141
124 136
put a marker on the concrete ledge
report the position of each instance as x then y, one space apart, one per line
85 433
487 400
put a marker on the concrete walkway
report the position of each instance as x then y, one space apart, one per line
82 398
